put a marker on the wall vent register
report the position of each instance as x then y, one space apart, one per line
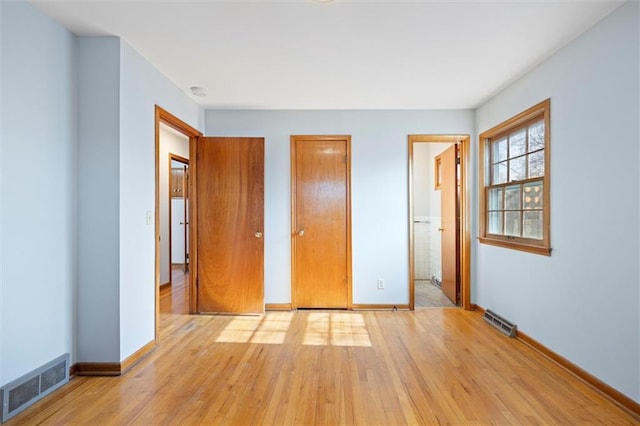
26 390
507 328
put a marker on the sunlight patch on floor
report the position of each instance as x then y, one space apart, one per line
336 329
268 329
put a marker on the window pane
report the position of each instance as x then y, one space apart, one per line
495 222
513 197
532 225
499 173
536 164
533 195
512 223
517 143
495 199
536 136
499 150
517 169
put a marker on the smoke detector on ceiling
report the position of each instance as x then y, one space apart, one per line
198 91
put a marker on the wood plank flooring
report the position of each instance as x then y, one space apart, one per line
431 366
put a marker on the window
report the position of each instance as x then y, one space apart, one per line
514 182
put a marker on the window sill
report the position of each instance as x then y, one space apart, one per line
542 250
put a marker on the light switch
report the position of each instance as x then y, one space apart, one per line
149 217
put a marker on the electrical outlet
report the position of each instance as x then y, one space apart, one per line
380 283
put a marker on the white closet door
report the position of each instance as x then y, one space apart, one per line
177 230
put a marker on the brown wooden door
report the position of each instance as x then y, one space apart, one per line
229 206
448 194
321 221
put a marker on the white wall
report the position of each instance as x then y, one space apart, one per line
118 92
435 199
379 179
174 143
422 180
178 241
38 186
1 199
583 302
81 110
98 198
141 87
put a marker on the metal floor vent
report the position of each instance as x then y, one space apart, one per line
33 386
500 323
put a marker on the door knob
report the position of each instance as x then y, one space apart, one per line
301 232
258 234
440 229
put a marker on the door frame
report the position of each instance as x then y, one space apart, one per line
294 139
185 161
165 117
465 215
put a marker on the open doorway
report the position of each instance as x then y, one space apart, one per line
174 162
179 221
174 141
179 213
438 225
435 230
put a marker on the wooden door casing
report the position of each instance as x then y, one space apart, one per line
449 233
321 222
230 224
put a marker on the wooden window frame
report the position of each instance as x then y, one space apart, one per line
541 111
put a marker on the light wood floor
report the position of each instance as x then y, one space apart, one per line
431 366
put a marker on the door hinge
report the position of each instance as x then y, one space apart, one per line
457 160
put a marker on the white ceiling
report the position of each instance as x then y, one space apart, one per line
345 54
